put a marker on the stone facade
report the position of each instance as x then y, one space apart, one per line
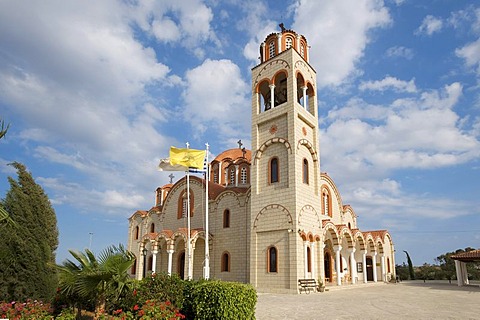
274 218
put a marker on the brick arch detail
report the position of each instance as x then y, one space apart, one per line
309 146
273 206
305 209
268 143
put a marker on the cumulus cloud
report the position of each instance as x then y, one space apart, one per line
361 141
389 82
82 90
430 25
216 95
184 22
338 33
471 54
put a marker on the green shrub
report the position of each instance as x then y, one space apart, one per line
162 287
223 300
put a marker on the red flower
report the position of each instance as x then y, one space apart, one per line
136 307
168 303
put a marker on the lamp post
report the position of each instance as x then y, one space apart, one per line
144 254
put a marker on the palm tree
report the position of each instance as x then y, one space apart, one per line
93 279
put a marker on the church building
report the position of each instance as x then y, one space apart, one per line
273 216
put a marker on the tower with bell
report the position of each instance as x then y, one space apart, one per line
286 214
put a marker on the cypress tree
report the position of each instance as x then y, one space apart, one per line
27 252
410 266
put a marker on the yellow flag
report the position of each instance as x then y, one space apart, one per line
190 158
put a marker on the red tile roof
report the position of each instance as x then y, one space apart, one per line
469 256
234 154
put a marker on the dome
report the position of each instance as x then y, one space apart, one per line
234 155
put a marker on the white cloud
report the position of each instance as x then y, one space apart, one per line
216 95
471 54
80 83
338 32
361 141
430 25
399 51
185 22
389 82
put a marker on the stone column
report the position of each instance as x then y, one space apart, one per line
382 263
170 252
305 259
272 96
154 260
364 262
337 265
279 43
304 104
312 256
374 262
353 270
190 262
263 52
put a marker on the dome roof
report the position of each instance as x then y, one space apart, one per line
234 155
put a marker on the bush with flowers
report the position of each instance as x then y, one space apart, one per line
151 309
30 309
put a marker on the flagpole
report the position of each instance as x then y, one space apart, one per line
189 248
207 253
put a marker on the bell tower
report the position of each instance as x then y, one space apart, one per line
285 172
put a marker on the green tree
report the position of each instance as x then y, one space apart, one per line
4 216
402 271
27 252
96 279
447 265
410 266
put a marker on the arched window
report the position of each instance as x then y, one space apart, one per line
272 260
271 48
305 171
243 175
226 218
326 203
152 228
388 264
309 260
232 176
182 205
302 50
137 232
288 43
273 176
225 262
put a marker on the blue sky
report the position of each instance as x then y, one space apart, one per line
97 91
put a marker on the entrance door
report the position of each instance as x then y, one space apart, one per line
369 269
328 267
181 265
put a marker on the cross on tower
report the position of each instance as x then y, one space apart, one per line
244 151
171 176
240 144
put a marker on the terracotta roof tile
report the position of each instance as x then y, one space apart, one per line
234 154
469 256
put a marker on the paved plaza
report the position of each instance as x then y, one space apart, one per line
405 300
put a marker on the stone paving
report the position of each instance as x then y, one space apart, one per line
405 300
